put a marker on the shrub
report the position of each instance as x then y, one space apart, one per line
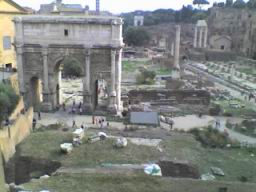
8 100
211 137
215 110
146 77
71 68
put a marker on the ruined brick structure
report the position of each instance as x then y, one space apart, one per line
238 24
170 96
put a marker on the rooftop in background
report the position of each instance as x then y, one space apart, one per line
59 8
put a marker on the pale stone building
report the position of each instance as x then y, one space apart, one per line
220 42
44 42
138 20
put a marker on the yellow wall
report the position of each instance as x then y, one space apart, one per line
7 11
18 132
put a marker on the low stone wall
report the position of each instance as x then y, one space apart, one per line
17 111
13 79
17 132
219 56
170 96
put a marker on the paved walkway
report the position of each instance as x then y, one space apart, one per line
184 123
233 134
67 119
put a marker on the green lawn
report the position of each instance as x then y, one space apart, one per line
132 66
246 110
164 71
131 183
234 162
87 155
248 71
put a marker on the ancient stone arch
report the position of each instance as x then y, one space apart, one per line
42 42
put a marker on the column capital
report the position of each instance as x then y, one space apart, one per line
19 49
113 52
44 50
87 52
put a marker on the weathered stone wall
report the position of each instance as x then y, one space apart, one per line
239 24
9 138
178 96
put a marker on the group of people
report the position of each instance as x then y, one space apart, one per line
74 109
101 121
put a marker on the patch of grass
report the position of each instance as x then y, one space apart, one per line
246 109
164 71
132 66
88 154
130 183
247 127
234 162
211 137
248 71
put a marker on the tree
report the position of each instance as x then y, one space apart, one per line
251 4
136 36
8 101
146 77
229 3
239 4
199 3
71 68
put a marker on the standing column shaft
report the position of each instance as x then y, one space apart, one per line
113 73
87 69
195 37
200 37
45 63
177 48
172 49
118 80
205 37
20 69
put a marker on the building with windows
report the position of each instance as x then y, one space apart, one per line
57 7
8 9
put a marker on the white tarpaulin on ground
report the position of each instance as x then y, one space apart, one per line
153 169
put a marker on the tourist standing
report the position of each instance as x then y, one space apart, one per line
39 115
74 124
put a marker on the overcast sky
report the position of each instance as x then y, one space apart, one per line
118 6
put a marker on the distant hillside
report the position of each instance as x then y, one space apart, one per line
186 15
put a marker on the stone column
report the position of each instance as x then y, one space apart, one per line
118 80
19 53
177 48
112 103
46 105
46 73
87 83
205 37
176 73
195 37
172 49
200 37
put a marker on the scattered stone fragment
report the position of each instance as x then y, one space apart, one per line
207 177
217 171
66 147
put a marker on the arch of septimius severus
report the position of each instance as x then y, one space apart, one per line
43 42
